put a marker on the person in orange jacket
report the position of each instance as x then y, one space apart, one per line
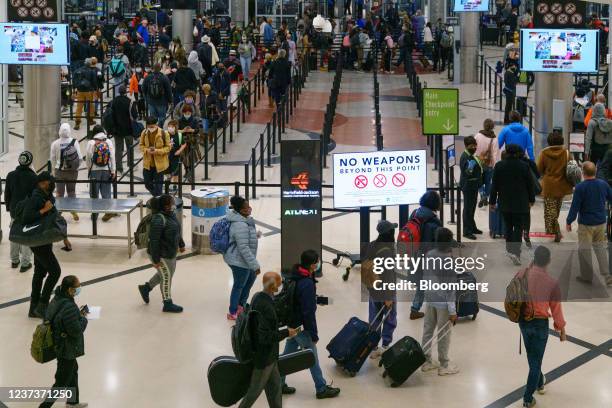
600 98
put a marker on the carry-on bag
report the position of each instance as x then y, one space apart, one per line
467 300
497 227
50 228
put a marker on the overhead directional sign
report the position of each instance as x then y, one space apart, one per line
440 111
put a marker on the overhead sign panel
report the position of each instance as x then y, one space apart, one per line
440 111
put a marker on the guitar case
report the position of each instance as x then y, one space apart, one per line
228 379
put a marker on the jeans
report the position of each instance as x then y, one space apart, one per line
515 224
436 318
390 323
18 250
66 376
535 336
245 63
120 143
45 265
99 184
419 295
243 281
163 276
304 342
487 175
267 378
154 181
592 237
159 111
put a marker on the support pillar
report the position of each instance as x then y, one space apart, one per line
182 26
609 62
42 110
4 94
238 12
470 40
436 10
548 87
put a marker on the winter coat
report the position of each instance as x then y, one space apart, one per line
516 133
160 158
267 333
306 295
512 186
185 79
31 211
551 165
243 242
195 65
56 147
165 237
68 326
19 184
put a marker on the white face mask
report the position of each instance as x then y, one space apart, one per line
171 130
187 116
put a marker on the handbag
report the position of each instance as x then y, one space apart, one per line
50 228
573 173
537 187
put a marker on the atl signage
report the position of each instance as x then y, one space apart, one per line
440 111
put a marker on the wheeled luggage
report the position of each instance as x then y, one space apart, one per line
467 300
354 343
228 379
497 227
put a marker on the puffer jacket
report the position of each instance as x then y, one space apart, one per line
243 242
165 237
68 326
551 165
516 133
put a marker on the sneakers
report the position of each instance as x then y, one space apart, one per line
328 392
14 265
232 316
75 216
470 236
515 259
144 292
477 231
170 307
287 390
542 390
527 241
450 369
76 126
25 268
378 352
529 404
107 217
429 366
414 315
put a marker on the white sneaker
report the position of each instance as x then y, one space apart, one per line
79 405
429 366
450 369
515 259
378 352
542 390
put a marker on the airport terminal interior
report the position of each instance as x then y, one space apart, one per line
326 117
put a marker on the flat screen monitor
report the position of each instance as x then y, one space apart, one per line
34 44
558 50
471 5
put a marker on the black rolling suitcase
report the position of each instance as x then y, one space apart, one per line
406 356
467 300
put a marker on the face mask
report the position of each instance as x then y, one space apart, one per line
77 291
471 150
171 130
187 116
138 69
188 100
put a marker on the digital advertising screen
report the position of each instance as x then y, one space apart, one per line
558 50
471 5
379 178
34 44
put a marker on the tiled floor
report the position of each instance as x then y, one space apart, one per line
138 357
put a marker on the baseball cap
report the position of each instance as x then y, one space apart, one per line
385 226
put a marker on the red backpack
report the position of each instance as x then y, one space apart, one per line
409 238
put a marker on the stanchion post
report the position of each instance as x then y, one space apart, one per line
451 186
131 161
253 173
246 181
261 157
206 148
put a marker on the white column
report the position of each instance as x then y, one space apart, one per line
549 86
3 98
470 40
609 62
182 26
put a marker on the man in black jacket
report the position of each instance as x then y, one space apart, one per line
511 77
19 185
513 185
205 55
158 94
470 182
85 80
68 324
41 204
280 74
267 336
124 112
306 300
184 79
165 241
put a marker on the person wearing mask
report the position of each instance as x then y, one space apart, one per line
267 337
247 53
221 84
589 205
68 323
165 242
85 80
209 108
241 256
119 69
598 136
232 66
184 80
125 112
280 77
487 151
428 41
551 164
305 315
18 186
196 66
440 305
178 144
158 94
516 133
189 101
41 204
187 120
511 77
600 98
470 182
155 146
544 302
513 185
383 247
143 31
100 160
65 157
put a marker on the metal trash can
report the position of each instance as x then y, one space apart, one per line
178 211
208 205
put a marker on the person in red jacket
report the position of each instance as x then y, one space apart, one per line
545 301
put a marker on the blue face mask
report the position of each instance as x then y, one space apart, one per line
77 291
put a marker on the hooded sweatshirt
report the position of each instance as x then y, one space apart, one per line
65 138
551 165
243 242
194 63
599 129
90 150
516 133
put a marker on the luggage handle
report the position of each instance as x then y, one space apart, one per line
445 330
384 311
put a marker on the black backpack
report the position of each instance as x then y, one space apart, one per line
243 341
140 55
285 302
108 119
156 87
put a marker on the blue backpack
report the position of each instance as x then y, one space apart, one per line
219 236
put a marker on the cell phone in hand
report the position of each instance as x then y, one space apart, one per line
84 309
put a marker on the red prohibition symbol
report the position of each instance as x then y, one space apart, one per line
398 179
380 180
361 181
